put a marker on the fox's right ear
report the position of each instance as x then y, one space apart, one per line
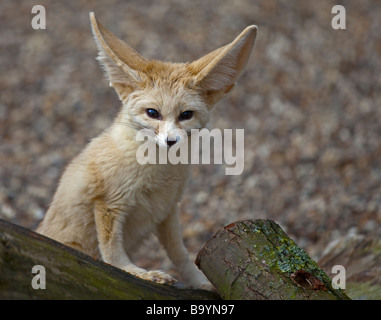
218 71
122 63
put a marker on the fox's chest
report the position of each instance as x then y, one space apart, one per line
161 184
153 187
149 202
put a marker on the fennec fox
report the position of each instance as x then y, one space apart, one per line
106 202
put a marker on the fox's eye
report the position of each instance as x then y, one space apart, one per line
186 115
152 113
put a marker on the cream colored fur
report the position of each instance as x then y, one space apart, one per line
106 202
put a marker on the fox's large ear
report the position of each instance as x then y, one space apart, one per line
218 71
121 63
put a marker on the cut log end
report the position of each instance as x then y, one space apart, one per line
255 259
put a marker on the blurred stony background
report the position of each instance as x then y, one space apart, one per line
309 102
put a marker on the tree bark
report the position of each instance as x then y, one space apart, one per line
70 274
257 260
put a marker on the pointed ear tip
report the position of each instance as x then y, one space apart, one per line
92 18
253 28
94 24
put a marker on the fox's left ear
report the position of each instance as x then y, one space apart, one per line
218 71
122 64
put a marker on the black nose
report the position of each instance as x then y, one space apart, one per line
170 143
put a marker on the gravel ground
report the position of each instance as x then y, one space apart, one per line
309 103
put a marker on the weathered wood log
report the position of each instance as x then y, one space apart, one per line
255 259
70 274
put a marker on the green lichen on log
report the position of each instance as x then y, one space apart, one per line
284 254
257 260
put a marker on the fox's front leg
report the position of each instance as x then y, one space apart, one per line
170 235
109 224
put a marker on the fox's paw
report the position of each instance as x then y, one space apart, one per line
154 275
207 286
158 276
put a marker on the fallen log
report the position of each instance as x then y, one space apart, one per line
244 260
255 259
70 274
